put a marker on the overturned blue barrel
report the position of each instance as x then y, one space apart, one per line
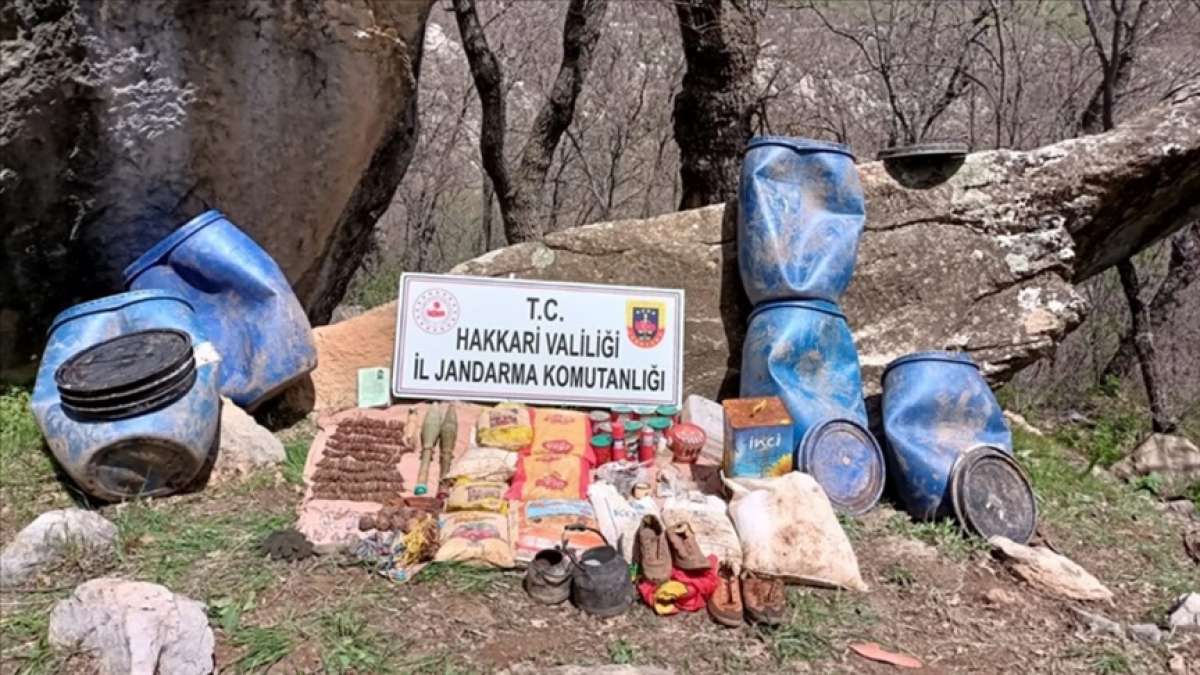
127 394
802 351
800 216
949 450
241 297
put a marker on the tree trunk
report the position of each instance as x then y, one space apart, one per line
1182 272
713 111
1143 342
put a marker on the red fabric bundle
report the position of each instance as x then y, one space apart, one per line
701 584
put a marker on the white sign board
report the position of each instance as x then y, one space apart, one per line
485 339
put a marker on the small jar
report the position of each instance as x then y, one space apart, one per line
602 446
671 412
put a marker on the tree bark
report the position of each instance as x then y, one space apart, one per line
518 191
713 110
1143 342
1183 270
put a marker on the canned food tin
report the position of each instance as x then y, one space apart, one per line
602 448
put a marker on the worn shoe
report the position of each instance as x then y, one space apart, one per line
684 549
548 577
653 552
764 599
725 604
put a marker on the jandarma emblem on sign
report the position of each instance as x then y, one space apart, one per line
645 322
436 311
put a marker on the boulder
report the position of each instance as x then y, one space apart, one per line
1049 571
1185 613
121 120
134 628
51 538
1175 459
985 262
245 445
1099 625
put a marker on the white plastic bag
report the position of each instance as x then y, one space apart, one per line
789 530
483 464
710 521
619 518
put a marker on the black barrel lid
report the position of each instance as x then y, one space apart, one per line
844 458
923 165
939 149
124 363
161 397
992 496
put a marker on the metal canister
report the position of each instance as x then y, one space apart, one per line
621 413
646 445
759 438
949 450
598 416
602 448
641 412
671 412
658 425
619 452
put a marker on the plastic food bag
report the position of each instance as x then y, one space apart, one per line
483 464
477 537
710 522
540 524
478 496
619 518
505 426
788 529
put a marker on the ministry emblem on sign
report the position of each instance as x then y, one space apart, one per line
645 322
436 311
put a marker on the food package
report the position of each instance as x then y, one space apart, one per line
788 529
540 525
478 496
505 426
550 477
710 521
619 518
475 537
483 464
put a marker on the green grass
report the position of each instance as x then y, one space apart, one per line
900 576
815 620
622 653
462 578
945 535
1120 424
349 644
27 474
374 286
262 647
295 455
1110 663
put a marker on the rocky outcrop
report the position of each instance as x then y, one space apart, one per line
245 445
985 262
120 120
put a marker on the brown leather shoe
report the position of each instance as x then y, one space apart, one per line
685 550
764 599
725 605
653 552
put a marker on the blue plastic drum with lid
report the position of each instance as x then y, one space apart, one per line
802 351
121 456
241 297
949 450
800 216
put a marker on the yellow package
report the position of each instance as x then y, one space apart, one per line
478 496
505 427
476 537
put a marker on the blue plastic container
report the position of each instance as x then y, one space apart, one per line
802 351
949 450
147 455
242 299
800 216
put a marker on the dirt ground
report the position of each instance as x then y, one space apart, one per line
934 594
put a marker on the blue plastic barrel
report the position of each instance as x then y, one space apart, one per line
242 299
800 216
802 351
949 450
147 455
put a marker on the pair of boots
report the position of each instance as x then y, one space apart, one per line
759 599
660 549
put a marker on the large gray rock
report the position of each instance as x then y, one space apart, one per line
50 538
1175 460
985 262
1049 571
120 120
134 628
245 444
1185 613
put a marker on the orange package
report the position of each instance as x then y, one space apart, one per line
557 464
